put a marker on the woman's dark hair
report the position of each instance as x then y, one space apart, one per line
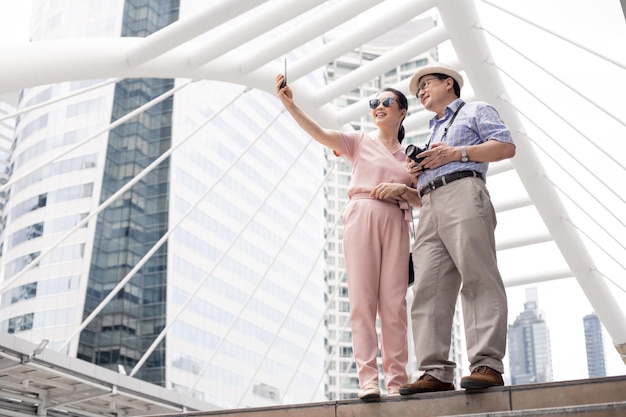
455 86
403 103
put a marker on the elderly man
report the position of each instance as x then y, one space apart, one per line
454 246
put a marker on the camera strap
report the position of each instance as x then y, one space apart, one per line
445 130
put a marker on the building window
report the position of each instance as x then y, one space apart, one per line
20 323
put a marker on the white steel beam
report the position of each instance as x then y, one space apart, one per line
544 276
248 27
360 34
101 58
519 241
380 65
310 29
188 28
512 203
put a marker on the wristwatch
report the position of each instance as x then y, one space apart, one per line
464 157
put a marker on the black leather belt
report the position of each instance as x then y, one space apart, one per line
446 179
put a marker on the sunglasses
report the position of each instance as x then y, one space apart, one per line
387 102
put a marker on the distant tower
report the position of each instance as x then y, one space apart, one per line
530 360
594 345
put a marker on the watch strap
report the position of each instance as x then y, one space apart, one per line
464 157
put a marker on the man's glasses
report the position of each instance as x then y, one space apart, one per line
424 85
387 102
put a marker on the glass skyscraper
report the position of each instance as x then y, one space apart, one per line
594 345
530 359
132 225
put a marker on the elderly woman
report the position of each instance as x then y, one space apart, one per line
376 234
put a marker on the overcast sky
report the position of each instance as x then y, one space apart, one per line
14 21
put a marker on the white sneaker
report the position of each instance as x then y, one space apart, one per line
369 392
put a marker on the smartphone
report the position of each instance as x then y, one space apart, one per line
285 74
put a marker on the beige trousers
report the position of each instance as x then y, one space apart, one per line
454 249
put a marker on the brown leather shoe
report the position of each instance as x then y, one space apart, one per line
425 383
482 377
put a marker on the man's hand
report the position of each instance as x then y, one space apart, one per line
438 155
413 168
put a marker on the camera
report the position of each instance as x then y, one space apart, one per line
412 151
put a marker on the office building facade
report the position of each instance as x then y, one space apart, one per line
7 128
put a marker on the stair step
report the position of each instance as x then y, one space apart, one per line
597 397
617 409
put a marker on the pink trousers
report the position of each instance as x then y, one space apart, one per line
376 253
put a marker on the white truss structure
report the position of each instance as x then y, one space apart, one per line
245 45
